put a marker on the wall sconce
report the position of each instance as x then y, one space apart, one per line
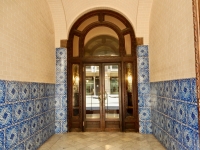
129 76
75 74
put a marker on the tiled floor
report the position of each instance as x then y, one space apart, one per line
102 141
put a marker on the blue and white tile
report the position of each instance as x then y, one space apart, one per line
57 127
155 130
161 88
194 90
143 76
18 112
61 114
41 122
160 104
11 137
166 140
2 140
61 77
167 89
185 90
52 116
172 108
45 104
142 51
143 88
192 116
38 106
160 135
2 91
143 63
30 144
142 127
34 125
144 114
165 107
162 121
51 101
141 100
169 126
19 147
58 101
175 89
188 138
34 90
61 65
48 89
44 134
181 112
177 130
147 100
24 128
42 90
173 144
148 127
61 89
47 118
64 100
29 108
38 139
5 116
12 91
64 126
24 91
196 139
61 53
51 129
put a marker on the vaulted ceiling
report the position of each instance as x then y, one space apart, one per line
66 12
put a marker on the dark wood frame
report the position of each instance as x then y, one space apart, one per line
196 22
122 59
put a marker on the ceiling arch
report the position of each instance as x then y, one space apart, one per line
66 12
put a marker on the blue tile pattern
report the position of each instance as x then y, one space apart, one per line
20 118
12 91
61 91
2 91
144 101
178 117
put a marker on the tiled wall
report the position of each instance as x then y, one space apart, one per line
27 47
171 41
144 90
61 91
174 113
27 114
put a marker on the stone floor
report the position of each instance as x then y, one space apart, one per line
102 141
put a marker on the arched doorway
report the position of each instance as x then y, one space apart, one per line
102 74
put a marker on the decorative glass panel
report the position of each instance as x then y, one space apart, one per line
75 79
129 103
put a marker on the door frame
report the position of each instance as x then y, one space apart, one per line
75 123
102 118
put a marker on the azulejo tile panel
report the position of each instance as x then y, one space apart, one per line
12 93
61 91
2 91
180 113
144 101
20 118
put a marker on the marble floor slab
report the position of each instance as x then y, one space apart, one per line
102 141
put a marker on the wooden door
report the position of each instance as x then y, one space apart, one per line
102 97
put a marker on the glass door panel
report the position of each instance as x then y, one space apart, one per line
92 92
111 92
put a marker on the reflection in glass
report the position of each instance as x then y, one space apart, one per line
92 92
75 70
102 45
111 93
129 107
